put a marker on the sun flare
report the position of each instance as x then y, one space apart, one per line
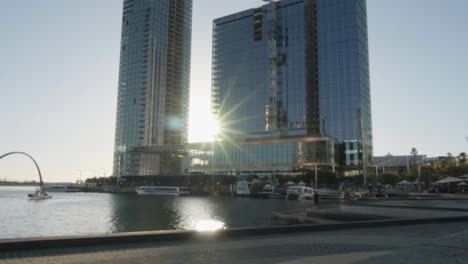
203 129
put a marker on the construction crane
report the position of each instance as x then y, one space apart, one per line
276 112
272 119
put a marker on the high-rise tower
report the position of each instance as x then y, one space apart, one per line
153 93
293 70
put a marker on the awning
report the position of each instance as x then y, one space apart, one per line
404 182
450 180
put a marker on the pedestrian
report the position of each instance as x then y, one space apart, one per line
347 196
316 198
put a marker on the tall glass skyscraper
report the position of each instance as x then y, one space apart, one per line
294 70
153 93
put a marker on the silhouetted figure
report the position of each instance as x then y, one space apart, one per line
316 198
347 196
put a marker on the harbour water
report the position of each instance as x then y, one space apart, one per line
99 213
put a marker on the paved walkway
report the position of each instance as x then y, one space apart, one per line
444 204
406 244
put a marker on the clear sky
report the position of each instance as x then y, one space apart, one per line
59 72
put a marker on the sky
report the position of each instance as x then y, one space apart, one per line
59 62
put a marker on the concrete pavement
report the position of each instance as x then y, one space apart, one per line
402 244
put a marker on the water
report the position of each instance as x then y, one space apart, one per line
98 213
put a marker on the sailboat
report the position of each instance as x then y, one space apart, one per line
40 194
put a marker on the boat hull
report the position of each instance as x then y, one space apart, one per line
300 193
35 197
330 194
159 190
157 193
270 195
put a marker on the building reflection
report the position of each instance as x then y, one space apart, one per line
147 213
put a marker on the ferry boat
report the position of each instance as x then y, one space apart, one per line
61 188
299 192
160 190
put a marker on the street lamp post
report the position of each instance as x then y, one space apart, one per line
376 171
316 177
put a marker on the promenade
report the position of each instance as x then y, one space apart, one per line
431 243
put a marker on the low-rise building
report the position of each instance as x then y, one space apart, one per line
398 164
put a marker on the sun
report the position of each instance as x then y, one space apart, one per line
203 128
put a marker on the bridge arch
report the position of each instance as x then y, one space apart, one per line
29 156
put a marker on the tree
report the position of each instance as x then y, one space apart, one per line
451 160
462 158
390 179
414 152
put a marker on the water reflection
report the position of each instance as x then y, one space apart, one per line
138 213
197 214
94 213
209 225
142 213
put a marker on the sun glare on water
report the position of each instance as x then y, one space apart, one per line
209 225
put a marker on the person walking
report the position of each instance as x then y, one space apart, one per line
316 198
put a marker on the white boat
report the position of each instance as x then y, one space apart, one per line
269 192
299 192
243 188
330 194
40 194
159 190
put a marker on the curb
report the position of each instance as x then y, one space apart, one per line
167 236
412 207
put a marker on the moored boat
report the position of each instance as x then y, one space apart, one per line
159 190
330 194
243 188
299 192
270 195
61 188
269 192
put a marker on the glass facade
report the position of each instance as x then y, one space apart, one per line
262 156
152 104
240 86
314 80
345 103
